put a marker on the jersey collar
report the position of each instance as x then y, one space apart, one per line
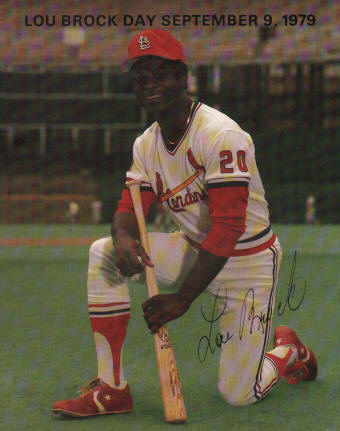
174 149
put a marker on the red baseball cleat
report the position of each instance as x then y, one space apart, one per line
306 366
97 398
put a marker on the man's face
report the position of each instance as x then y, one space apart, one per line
157 86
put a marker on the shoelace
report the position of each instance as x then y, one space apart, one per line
90 386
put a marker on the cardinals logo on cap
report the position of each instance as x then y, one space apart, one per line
144 42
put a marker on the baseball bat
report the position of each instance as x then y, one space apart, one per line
173 402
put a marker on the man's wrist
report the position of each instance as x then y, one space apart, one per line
186 296
118 232
124 225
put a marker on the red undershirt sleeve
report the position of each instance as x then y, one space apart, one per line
125 203
227 208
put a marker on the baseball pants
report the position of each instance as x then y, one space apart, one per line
243 295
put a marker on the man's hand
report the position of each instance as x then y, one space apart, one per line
160 309
131 257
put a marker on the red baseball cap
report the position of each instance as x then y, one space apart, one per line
159 43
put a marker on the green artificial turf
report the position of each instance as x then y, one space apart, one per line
48 351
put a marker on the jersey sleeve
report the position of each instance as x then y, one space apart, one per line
227 178
137 169
227 158
137 172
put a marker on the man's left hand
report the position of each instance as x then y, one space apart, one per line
160 309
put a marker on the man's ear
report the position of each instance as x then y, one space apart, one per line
184 81
181 71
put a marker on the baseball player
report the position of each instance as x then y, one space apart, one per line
200 165
310 210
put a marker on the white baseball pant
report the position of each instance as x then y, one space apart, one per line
243 293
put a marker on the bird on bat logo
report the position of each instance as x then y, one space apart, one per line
159 185
193 161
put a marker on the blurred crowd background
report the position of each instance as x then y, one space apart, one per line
68 116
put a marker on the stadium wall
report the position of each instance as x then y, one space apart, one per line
82 125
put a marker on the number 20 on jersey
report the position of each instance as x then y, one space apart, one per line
227 159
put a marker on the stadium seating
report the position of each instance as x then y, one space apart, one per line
44 47
65 109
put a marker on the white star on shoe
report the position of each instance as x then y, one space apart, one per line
107 397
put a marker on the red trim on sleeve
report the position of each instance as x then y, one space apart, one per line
227 208
125 203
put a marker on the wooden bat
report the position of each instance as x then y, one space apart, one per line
173 402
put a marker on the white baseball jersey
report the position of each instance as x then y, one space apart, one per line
214 152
